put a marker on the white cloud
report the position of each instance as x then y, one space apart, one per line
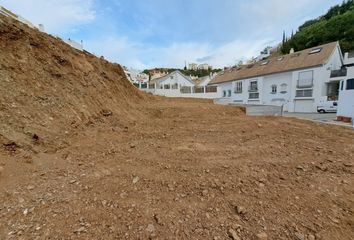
134 54
57 16
119 50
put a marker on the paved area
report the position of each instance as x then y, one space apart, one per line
323 117
328 118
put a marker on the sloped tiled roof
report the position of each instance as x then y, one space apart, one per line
158 80
200 80
298 60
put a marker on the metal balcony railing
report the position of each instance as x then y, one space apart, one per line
339 73
253 89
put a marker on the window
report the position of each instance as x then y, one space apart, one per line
224 93
238 87
305 79
167 86
304 93
341 85
253 95
171 77
315 50
175 86
185 89
254 86
350 84
229 93
274 89
210 89
283 88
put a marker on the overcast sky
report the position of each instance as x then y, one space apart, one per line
166 33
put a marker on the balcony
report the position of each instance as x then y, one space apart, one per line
253 89
339 73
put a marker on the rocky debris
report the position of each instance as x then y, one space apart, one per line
1 170
299 236
233 235
311 237
136 179
240 210
106 113
262 236
150 228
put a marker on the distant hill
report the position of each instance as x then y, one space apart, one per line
336 25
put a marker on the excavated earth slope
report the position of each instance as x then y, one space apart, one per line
84 155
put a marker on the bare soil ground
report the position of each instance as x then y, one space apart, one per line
86 156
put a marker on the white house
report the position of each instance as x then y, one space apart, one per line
346 90
298 81
136 76
176 84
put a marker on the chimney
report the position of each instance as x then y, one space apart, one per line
292 51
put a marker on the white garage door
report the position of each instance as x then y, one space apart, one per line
304 106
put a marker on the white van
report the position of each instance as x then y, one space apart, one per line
327 106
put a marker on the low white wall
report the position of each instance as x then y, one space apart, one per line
177 93
74 44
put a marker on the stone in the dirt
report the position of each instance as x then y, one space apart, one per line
240 210
1 170
232 234
136 179
299 236
30 187
311 237
262 236
80 230
150 228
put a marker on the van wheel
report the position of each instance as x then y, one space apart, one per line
322 111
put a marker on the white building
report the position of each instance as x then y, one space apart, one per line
297 81
77 45
192 66
176 84
10 14
135 76
204 66
346 90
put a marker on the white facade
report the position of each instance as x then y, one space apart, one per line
176 84
297 90
204 66
346 95
74 44
136 76
192 66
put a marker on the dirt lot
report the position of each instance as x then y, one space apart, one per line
85 156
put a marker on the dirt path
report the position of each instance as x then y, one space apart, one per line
194 171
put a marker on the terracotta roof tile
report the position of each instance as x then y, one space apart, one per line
298 60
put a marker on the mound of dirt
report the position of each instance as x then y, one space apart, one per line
47 88
84 155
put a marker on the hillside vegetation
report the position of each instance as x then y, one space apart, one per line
336 25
